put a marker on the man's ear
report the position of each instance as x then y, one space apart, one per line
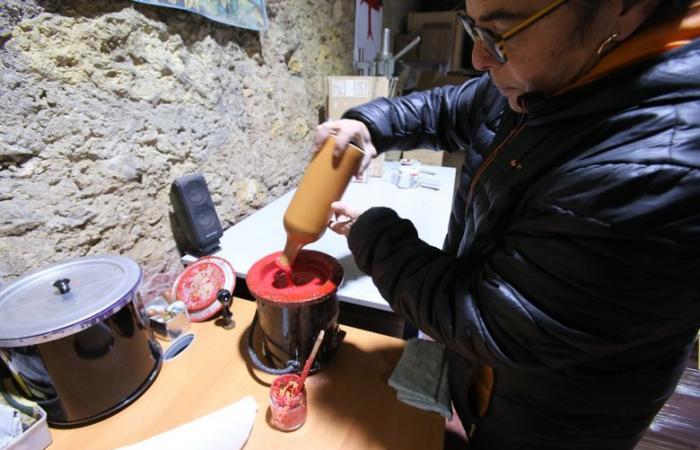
632 15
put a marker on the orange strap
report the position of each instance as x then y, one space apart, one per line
483 385
648 43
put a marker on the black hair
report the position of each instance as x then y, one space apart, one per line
588 9
668 9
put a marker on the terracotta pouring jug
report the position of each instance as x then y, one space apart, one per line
324 182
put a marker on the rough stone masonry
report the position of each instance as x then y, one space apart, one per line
104 103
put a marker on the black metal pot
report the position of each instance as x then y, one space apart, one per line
291 315
75 338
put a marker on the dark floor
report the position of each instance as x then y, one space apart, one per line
676 426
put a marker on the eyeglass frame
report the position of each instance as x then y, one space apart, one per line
496 45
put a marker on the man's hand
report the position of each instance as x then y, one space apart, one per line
346 131
344 217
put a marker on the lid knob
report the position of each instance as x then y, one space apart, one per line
63 285
225 298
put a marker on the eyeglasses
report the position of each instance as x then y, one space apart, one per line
495 43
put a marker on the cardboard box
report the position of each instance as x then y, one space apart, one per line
429 79
345 92
443 37
416 21
401 41
436 158
454 159
392 155
450 79
376 166
428 157
437 43
426 80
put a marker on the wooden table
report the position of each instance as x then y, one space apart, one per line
350 403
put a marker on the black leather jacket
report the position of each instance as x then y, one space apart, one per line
572 261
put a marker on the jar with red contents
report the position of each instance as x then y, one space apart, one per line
287 403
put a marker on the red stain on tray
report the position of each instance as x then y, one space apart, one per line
198 285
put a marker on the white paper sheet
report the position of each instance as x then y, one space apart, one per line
10 425
227 428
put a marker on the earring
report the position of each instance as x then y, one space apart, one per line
603 47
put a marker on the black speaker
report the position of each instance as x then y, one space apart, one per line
195 214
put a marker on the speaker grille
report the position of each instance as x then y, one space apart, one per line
196 192
205 216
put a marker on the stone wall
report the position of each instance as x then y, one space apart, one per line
104 103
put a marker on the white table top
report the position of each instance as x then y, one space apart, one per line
262 232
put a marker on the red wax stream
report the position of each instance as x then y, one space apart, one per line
285 270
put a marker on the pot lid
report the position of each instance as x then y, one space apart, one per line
64 298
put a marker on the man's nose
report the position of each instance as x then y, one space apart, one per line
482 59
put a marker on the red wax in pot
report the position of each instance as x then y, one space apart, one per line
293 306
313 275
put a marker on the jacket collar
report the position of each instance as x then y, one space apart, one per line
646 44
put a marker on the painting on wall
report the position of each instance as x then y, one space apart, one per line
248 14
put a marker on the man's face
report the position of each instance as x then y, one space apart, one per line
545 57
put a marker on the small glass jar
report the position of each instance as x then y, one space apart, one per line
287 406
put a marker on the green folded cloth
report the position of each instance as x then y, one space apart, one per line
420 377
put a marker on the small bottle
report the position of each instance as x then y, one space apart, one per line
288 407
324 182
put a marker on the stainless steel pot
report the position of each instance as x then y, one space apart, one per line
75 338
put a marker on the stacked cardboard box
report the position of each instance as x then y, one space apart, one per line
429 79
345 92
443 41
428 157
401 40
442 38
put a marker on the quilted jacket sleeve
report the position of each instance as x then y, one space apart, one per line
572 281
438 119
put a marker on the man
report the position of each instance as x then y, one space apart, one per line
567 293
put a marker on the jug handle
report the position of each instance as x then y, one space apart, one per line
292 365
